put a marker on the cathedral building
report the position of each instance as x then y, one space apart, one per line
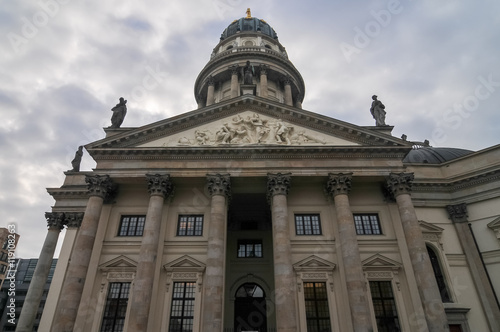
251 213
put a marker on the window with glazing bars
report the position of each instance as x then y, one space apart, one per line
384 306
190 225
307 224
367 224
132 225
249 248
317 313
116 307
182 312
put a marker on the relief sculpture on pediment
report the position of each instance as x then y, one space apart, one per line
249 129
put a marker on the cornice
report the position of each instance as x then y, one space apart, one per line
73 192
452 185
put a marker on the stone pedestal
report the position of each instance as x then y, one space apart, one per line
338 186
55 222
71 292
400 185
284 278
458 214
219 187
159 187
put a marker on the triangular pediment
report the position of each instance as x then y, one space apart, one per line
426 227
247 121
380 262
495 226
185 263
119 263
314 263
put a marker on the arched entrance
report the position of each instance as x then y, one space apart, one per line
250 308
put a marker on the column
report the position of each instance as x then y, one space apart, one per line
458 215
400 186
55 223
100 187
339 186
263 81
219 187
288 91
284 279
234 81
210 92
159 187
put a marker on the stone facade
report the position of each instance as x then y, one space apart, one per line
254 211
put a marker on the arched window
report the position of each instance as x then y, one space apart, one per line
250 312
438 273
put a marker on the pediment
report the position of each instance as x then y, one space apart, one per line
119 263
314 263
184 263
247 121
380 262
426 227
495 226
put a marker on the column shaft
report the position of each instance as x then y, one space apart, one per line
263 83
72 287
210 92
435 315
213 283
339 186
288 94
234 83
42 269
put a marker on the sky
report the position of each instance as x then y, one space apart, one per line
65 63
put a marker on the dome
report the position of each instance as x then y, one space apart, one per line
430 155
249 24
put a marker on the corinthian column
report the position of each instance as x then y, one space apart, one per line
159 187
55 223
99 188
400 186
263 81
288 91
219 187
210 92
284 281
458 215
339 186
234 81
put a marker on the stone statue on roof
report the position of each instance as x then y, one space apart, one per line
75 163
119 112
378 111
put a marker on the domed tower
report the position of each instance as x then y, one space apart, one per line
249 60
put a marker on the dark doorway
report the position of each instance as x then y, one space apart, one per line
250 309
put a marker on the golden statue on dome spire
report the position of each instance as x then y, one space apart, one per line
249 13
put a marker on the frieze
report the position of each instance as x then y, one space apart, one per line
121 275
322 276
185 275
379 275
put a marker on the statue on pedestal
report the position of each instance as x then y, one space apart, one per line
378 111
75 163
119 112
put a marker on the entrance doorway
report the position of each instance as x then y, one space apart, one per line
250 309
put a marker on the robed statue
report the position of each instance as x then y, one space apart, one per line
378 111
75 163
119 112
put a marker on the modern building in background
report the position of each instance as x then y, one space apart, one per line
251 213
23 276
8 242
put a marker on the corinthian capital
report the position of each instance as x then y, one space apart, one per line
100 185
278 184
339 184
234 69
400 183
55 220
457 212
74 219
159 185
219 184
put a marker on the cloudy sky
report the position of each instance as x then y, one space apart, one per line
65 63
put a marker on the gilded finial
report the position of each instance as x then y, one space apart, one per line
249 13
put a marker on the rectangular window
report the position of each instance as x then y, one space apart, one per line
116 307
367 224
307 224
384 306
190 225
249 248
132 226
317 313
182 312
